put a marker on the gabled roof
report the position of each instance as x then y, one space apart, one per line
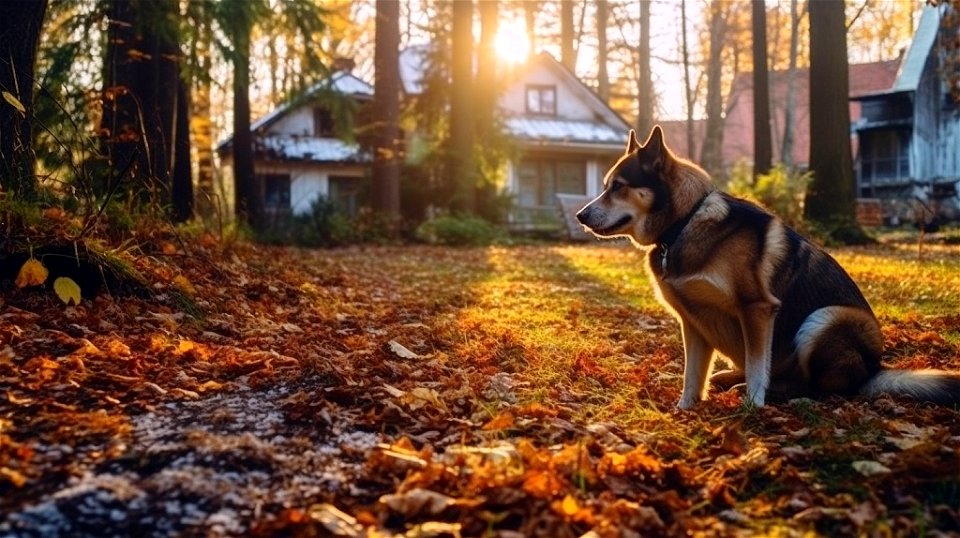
607 128
908 79
309 148
341 82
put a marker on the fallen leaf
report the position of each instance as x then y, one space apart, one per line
418 501
870 468
32 273
67 290
399 350
339 523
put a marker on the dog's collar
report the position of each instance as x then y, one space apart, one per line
669 237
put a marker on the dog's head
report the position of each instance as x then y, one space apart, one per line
636 201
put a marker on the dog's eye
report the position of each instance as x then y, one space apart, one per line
615 186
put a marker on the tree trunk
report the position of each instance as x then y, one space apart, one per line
762 141
248 191
568 56
645 98
786 151
461 171
711 156
486 88
386 110
687 86
830 197
201 125
181 189
120 123
19 39
603 79
530 8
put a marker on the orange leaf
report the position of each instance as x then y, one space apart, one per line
32 273
502 421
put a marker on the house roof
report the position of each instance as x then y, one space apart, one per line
908 79
309 148
341 82
564 131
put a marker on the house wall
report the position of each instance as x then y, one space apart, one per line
308 181
569 105
298 121
925 111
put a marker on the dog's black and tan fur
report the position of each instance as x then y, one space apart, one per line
745 285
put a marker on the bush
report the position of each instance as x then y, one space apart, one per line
781 191
459 231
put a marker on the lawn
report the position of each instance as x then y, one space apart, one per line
426 391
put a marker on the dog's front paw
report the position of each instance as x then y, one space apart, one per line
687 402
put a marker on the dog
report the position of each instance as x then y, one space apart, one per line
745 285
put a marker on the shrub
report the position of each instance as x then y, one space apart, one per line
459 231
781 191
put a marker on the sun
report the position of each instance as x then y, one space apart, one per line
511 43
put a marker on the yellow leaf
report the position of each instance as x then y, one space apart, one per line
67 290
32 273
14 102
570 506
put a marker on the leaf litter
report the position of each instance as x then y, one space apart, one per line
420 391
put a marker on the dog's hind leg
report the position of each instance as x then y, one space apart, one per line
838 349
697 359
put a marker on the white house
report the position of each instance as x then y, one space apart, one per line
566 136
299 158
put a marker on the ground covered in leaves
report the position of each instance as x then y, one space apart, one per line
421 391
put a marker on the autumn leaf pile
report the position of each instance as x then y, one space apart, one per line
422 391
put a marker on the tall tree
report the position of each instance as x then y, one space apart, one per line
762 135
201 17
19 39
237 18
711 157
530 9
830 197
143 113
786 151
460 155
687 83
603 79
486 97
568 56
645 98
386 109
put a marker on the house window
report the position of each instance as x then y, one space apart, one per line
323 122
542 100
884 157
276 192
541 179
349 194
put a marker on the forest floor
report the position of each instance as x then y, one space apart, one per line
425 391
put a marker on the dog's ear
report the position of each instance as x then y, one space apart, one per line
632 143
655 148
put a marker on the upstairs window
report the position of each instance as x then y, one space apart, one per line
323 122
542 100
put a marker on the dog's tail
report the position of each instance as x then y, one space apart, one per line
936 386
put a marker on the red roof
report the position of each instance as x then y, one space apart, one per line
738 128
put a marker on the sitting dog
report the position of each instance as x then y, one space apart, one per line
743 284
